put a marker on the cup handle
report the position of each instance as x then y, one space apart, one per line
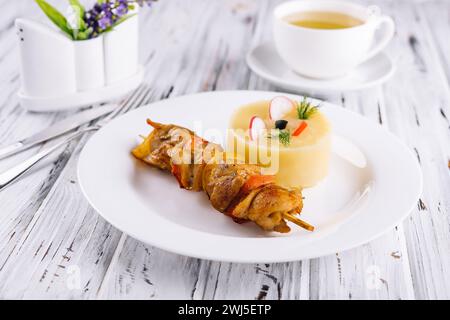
389 28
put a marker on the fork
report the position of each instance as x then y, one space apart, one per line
133 101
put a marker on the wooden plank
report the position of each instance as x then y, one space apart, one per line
51 235
65 238
436 14
415 100
422 257
144 272
20 201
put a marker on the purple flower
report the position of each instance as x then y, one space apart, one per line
121 10
104 22
107 13
96 9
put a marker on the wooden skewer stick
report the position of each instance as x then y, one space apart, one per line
298 221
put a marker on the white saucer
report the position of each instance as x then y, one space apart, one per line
82 98
265 62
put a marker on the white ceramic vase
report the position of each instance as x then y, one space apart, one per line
121 50
54 66
89 62
47 58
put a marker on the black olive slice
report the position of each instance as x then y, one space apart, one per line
281 124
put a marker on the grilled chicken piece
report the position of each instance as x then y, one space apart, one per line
223 182
179 150
241 191
266 205
154 149
238 190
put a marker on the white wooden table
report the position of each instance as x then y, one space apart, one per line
50 237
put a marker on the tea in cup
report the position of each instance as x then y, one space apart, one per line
327 39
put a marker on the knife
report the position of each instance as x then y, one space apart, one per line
57 129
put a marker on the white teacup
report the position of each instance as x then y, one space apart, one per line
329 53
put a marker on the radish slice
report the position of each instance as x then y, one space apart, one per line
279 107
256 127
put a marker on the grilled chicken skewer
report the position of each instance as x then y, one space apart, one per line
238 190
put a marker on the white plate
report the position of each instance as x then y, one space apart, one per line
265 62
352 206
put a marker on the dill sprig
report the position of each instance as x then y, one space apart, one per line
285 137
305 109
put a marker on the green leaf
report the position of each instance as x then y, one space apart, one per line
77 3
80 23
84 35
56 17
81 11
305 109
